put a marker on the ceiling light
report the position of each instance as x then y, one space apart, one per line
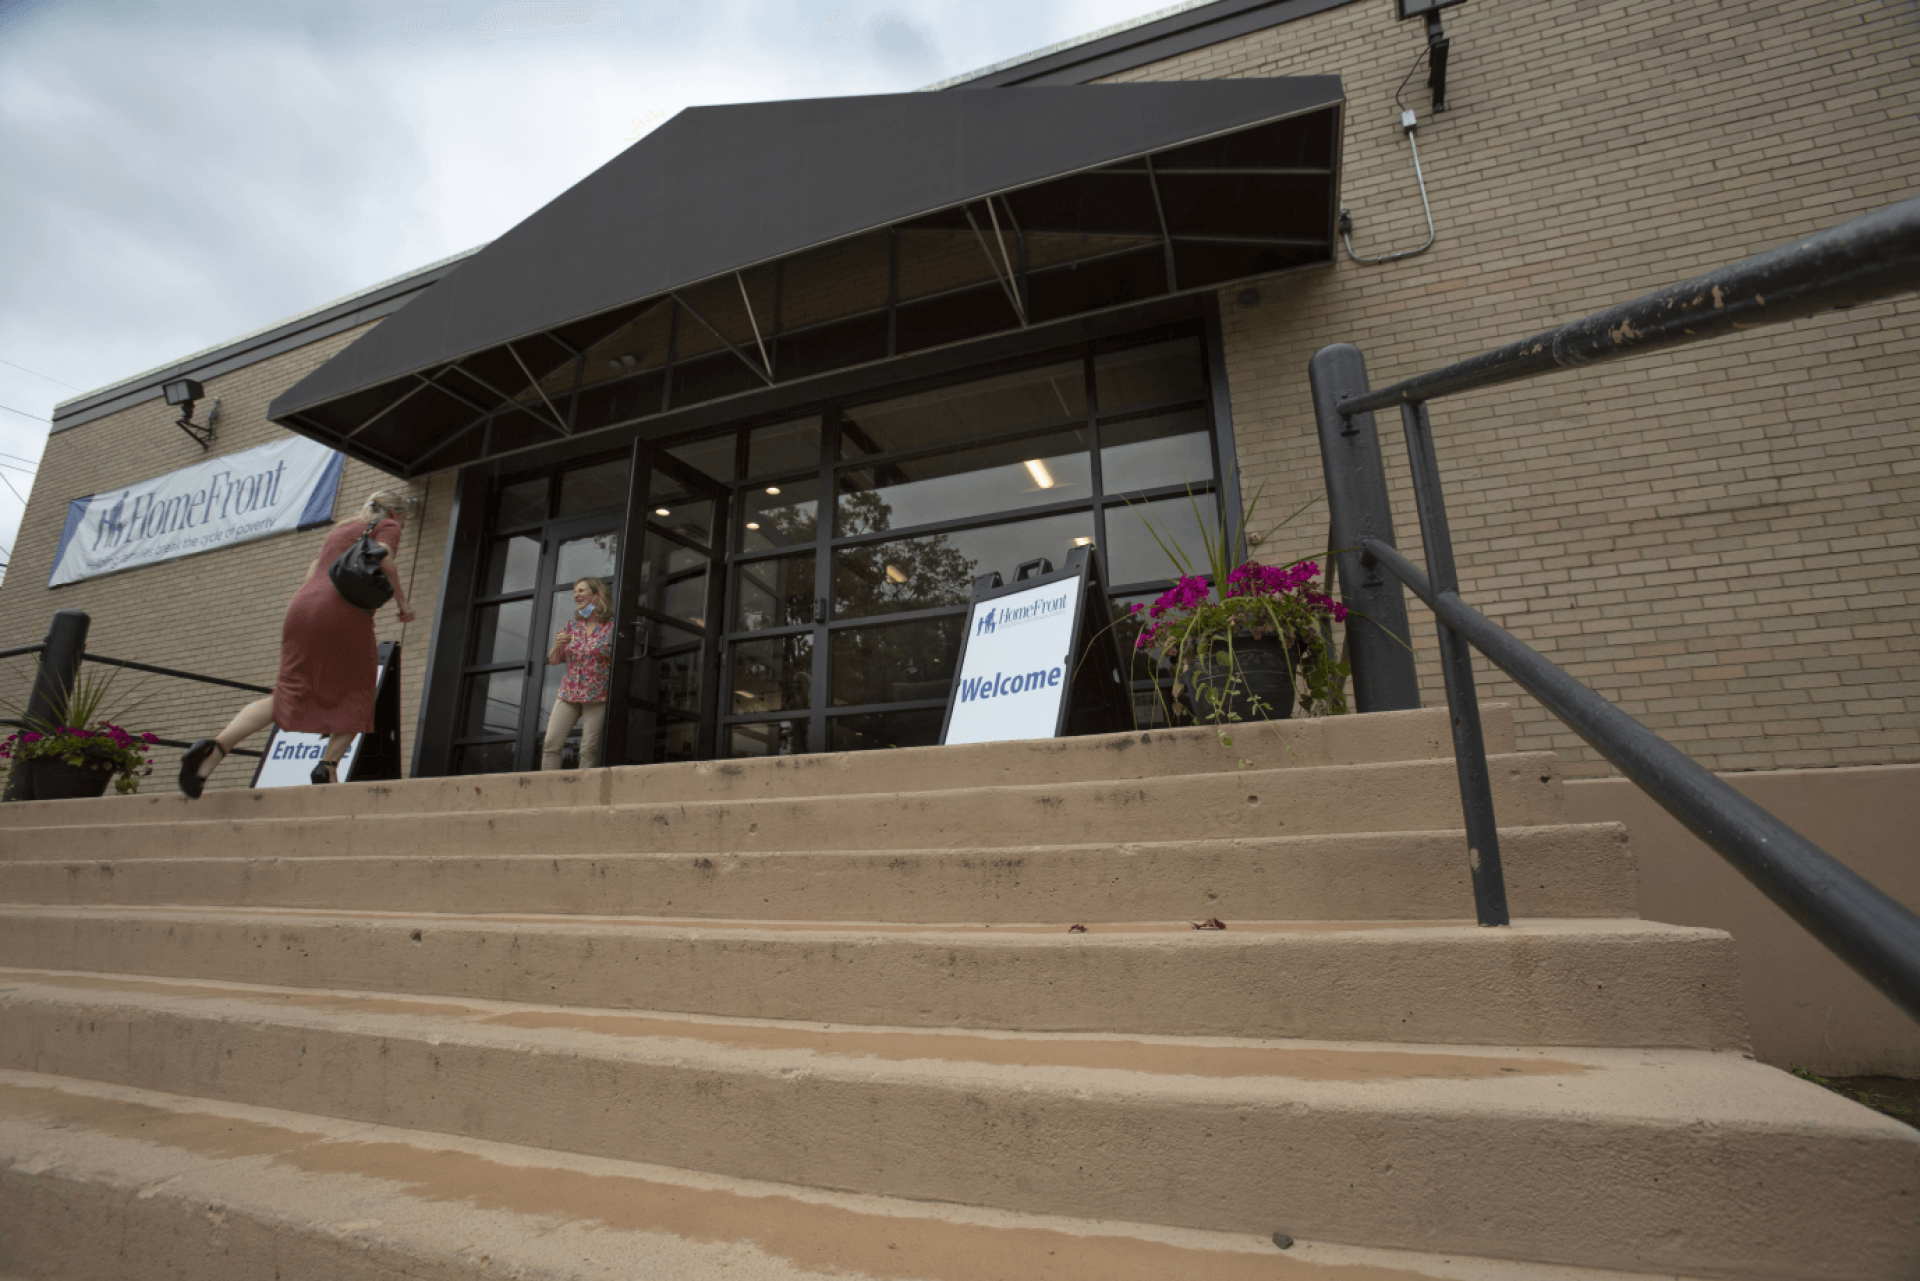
1041 476
773 489
753 524
661 511
1083 542
896 574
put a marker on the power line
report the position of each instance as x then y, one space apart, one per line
21 458
9 485
37 374
17 467
23 413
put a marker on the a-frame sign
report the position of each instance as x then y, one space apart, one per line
1040 658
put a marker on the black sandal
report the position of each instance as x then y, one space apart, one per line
323 772
190 780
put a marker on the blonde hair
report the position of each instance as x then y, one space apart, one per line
598 586
384 502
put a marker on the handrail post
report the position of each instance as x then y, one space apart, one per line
1384 679
1456 666
53 681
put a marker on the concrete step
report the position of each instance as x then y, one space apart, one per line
1651 1160
1338 740
1403 796
1591 982
1562 871
106 1182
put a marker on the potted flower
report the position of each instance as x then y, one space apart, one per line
70 761
76 751
1244 641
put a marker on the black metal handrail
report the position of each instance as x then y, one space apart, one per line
60 657
1869 259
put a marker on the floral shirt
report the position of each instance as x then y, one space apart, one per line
589 656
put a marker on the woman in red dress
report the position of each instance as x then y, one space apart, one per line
328 659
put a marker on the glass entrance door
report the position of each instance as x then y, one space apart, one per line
585 548
664 704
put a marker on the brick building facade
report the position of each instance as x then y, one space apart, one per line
1719 540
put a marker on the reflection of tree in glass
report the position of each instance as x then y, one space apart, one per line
887 578
792 523
773 675
897 663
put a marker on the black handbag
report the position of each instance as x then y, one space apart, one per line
357 575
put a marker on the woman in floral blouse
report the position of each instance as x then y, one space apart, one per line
585 645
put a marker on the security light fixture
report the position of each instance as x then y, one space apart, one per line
184 392
1437 43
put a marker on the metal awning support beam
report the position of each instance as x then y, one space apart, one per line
506 401
1005 282
558 418
435 383
420 463
764 376
1166 239
398 401
758 341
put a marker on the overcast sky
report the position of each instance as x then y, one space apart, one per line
179 172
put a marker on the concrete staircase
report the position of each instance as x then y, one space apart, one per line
824 1016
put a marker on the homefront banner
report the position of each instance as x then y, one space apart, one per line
271 489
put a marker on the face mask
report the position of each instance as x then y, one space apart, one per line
586 611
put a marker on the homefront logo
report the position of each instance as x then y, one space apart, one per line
1003 617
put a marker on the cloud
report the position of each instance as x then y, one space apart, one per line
899 41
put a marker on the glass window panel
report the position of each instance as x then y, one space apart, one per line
1133 555
834 280
672 506
483 758
934 259
771 675
522 504
904 574
884 729
782 447
1148 375
675 741
1127 626
500 632
1165 449
669 679
591 557
550 678
709 457
773 593
967 412
493 704
596 488
768 738
512 565
673 581
972 482
654 636
779 515
897 663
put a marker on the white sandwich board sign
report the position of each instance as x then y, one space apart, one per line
1038 659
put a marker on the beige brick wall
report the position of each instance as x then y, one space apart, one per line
218 613
1720 539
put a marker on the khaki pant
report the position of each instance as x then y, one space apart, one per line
593 724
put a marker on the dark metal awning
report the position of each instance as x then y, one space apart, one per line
742 247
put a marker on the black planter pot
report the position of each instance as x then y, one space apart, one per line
59 781
1263 674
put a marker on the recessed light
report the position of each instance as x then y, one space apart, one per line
1038 470
753 524
773 489
661 511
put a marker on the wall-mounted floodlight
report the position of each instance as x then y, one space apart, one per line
1437 43
184 392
